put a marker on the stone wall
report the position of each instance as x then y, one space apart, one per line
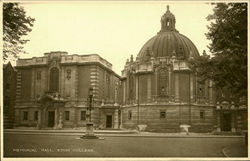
176 115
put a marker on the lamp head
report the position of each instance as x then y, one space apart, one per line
90 91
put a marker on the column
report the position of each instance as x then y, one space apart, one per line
136 87
33 89
169 84
191 87
149 88
75 116
39 121
218 121
233 122
196 88
43 117
56 118
176 87
116 121
124 92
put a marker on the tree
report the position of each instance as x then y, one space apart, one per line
15 25
227 66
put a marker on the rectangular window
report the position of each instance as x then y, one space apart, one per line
25 115
202 115
129 115
68 73
67 115
36 115
162 114
38 75
83 115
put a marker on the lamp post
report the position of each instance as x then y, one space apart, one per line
90 125
90 102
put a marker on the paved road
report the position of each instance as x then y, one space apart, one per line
39 145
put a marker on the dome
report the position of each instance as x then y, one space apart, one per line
169 42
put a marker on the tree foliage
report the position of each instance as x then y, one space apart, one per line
15 25
227 66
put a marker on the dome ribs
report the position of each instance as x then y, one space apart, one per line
156 46
168 39
185 47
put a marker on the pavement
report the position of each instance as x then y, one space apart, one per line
235 151
114 132
227 151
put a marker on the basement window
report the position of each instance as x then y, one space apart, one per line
202 115
67 115
129 115
83 115
25 115
36 115
162 114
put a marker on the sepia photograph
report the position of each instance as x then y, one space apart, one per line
124 80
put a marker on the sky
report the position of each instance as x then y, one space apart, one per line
114 30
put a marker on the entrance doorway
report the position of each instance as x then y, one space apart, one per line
226 121
109 121
51 118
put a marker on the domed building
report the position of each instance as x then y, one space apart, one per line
160 91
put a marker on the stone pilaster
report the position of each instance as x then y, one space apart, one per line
196 88
63 82
43 118
76 111
136 86
116 121
56 118
191 88
39 121
169 83
120 118
18 86
33 85
76 82
177 97
233 122
149 87
124 91
218 121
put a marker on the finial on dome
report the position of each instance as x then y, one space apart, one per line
168 21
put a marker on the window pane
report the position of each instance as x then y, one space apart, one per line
66 115
83 115
36 115
202 115
25 115
129 115
162 114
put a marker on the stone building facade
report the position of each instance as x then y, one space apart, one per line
52 91
157 90
160 91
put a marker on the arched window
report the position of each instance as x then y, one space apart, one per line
168 23
163 83
54 80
